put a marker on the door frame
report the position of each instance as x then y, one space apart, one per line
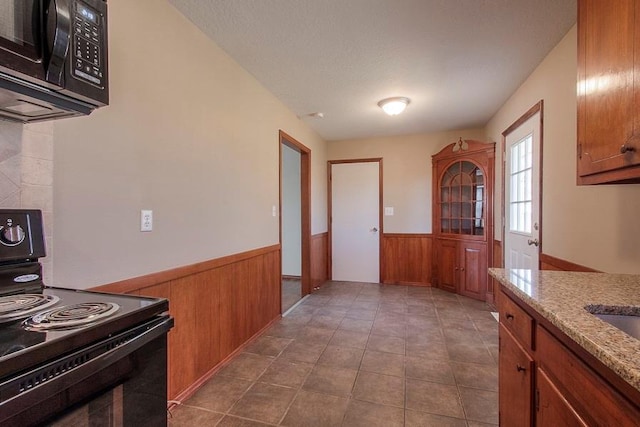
330 163
305 209
537 108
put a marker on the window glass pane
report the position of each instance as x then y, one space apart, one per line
445 194
467 168
529 148
445 210
527 218
467 191
527 185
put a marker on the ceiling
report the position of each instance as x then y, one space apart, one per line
457 60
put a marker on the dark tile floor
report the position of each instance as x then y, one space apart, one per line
291 293
355 354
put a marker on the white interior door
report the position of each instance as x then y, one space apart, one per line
522 195
355 214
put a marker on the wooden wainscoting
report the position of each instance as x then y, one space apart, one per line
498 262
407 259
218 306
548 262
319 259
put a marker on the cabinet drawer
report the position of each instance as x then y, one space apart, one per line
517 321
599 402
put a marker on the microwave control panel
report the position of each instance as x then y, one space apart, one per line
88 45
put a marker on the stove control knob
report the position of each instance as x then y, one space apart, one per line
11 235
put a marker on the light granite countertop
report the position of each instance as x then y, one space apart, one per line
561 298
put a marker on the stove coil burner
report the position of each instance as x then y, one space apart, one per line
14 307
70 316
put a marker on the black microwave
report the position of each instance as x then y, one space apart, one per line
53 58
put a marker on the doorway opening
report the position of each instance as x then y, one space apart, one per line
295 220
522 196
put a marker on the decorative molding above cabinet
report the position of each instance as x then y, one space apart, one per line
463 180
608 92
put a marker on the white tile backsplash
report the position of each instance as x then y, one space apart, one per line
37 171
37 145
26 176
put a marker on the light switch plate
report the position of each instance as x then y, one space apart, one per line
146 220
388 210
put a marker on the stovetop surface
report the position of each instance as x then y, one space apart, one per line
21 348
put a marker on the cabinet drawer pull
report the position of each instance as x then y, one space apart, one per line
521 368
626 148
509 316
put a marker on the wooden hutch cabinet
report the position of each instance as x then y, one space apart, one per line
463 179
608 91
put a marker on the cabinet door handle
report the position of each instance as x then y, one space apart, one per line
457 268
509 316
461 268
626 149
521 368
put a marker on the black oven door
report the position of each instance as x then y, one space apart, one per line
118 381
21 37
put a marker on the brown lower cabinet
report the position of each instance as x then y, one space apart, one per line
553 408
515 382
461 267
546 379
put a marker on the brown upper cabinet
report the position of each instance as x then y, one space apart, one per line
608 91
463 175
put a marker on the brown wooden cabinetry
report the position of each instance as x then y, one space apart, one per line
608 91
553 409
515 382
463 176
572 388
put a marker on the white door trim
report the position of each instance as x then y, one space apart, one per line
537 108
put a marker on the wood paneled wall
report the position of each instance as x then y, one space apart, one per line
407 259
548 262
319 259
217 305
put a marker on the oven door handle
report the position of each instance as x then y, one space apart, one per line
48 387
61 32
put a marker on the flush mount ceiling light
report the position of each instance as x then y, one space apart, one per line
394 106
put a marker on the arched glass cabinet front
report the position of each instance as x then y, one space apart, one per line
462 199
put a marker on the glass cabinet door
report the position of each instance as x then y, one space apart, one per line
462 196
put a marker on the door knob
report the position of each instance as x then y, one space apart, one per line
533 242
374 229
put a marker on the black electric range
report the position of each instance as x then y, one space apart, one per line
65 352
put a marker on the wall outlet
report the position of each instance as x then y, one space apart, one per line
146 220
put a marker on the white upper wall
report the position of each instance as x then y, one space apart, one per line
407 172
188 134
596 226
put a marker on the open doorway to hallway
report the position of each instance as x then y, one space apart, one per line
295 221
291 242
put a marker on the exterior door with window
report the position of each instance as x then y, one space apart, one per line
522 195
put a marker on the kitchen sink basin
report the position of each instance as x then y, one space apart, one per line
628 322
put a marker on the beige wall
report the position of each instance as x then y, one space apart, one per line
407 173
190 135
596 226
